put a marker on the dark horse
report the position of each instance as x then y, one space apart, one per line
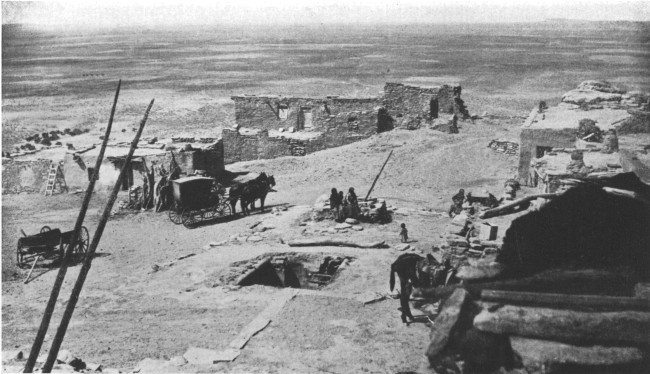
250 191
416 271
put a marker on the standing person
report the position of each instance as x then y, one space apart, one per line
353 202
335 204
404 233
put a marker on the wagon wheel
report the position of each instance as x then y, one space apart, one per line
83 241
221 210
188 217
175 214
45 229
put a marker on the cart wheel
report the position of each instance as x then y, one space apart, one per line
189 219
175 214
45 229
83 241
222 210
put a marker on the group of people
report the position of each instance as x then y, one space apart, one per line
344 207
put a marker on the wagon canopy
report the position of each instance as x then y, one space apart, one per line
192 192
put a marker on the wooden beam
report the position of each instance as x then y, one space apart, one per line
49 308
510 208
85 268
378 174
563 300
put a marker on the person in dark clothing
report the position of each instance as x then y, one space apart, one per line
335 204
457 206
353 203
404 233
459 198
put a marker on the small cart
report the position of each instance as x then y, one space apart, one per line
50 243
197 199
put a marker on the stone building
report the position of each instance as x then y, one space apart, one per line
274 126
557 127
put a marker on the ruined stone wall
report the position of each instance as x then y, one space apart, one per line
24 176
530 139
411 106
272 113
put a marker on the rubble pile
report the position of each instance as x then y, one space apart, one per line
505 146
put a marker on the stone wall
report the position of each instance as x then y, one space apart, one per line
338 121
412 106
530 139
275 112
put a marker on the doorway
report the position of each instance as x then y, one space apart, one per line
433 108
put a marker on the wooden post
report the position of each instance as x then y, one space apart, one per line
85 268
49 308
377 177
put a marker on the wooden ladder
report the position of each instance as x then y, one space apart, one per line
54 178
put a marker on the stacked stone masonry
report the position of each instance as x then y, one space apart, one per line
333 121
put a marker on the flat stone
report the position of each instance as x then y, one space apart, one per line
357 228
402 247
342 226
200 356
254 238
352 221
217 244
110 371
544 353
93 367
12 355
460 220
332 230
444 323
65 356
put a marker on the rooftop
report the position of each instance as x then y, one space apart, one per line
567 116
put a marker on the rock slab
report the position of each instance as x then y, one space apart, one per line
444 324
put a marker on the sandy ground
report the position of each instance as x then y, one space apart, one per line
127 312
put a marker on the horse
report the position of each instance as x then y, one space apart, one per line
249 191
416 271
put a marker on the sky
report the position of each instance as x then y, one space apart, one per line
288 12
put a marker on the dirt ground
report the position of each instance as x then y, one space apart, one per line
127 312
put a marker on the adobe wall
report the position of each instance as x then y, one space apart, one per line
31 176
24 176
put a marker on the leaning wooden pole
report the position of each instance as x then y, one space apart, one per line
377 177
85 268
49 308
